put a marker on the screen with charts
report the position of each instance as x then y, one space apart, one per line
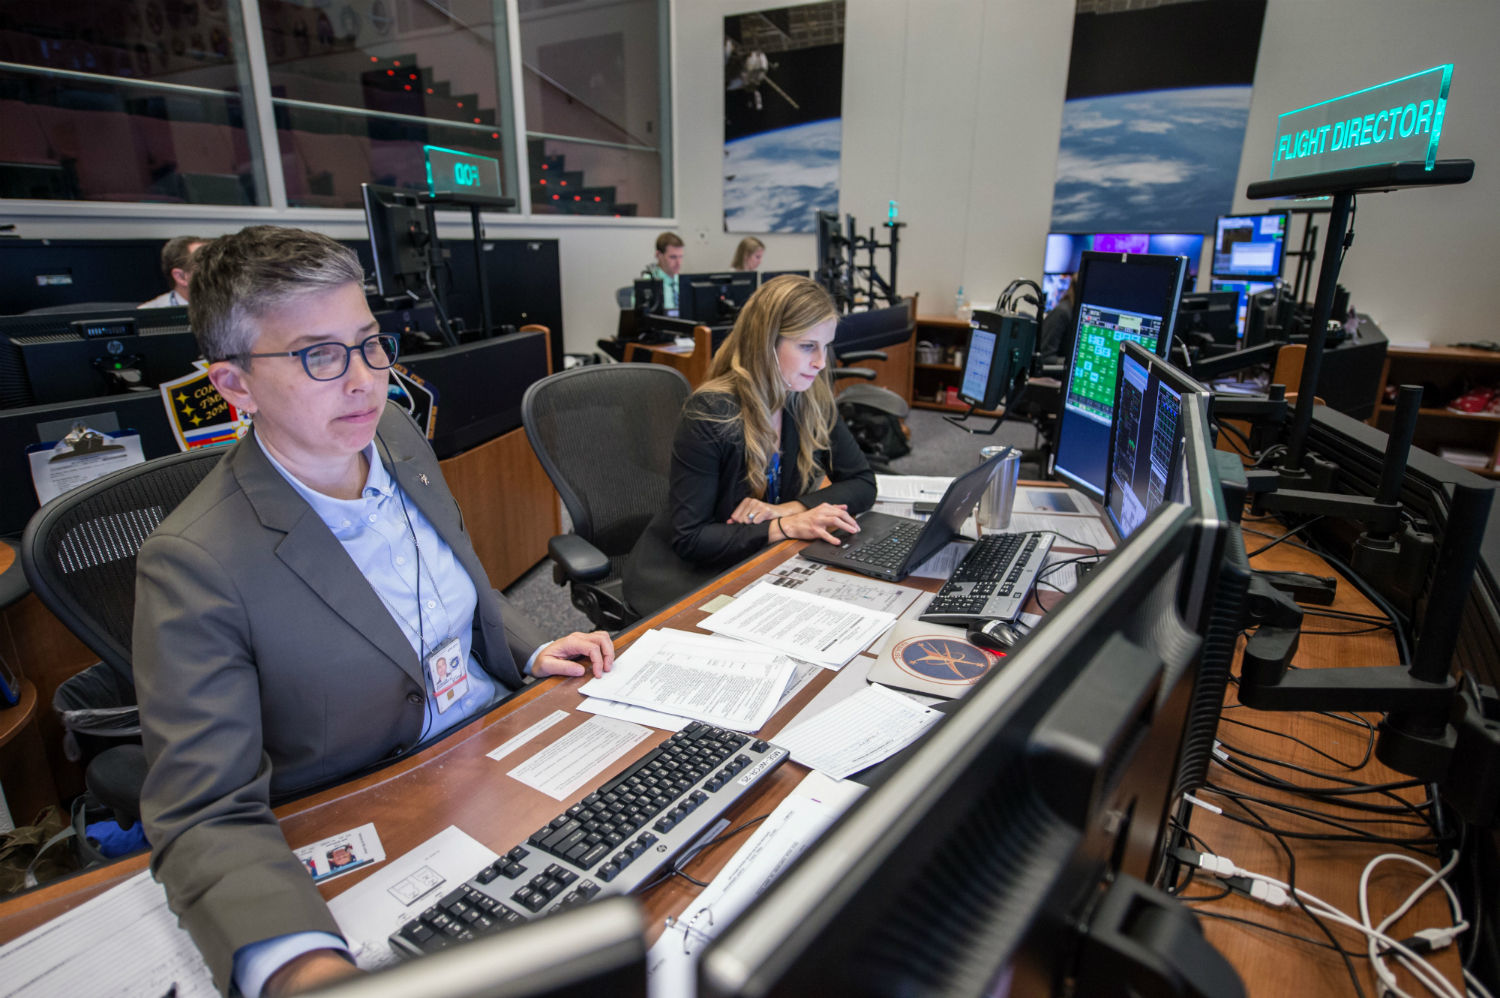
1249 245
1147 445
1091 382
977 368
1245 289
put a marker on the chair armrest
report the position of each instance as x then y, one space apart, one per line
579 560
858 355
853 372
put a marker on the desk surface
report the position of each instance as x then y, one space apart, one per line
417 797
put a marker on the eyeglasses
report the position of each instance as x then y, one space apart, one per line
329 361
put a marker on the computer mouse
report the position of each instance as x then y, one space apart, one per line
993 635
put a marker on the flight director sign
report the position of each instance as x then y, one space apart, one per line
452 172
1395 122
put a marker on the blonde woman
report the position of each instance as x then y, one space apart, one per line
756 441
748 253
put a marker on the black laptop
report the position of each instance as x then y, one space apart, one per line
890 547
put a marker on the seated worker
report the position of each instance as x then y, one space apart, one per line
291 613
748 254
1056 333
756 441
667 266
177 264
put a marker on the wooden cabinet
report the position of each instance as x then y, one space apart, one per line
1445 373
948 332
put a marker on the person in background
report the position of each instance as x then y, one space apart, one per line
177 265
1057 325
666 267
748 254
755 443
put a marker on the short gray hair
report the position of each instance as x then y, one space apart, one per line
240 277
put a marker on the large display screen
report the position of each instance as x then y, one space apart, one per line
1249 245
1146 448
1066 249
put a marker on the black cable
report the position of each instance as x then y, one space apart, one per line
674 871
1284 537
1373 596
1352 767
1280 932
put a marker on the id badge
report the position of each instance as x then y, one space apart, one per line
449 674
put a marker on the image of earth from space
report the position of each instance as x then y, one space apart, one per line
1159 161
775 181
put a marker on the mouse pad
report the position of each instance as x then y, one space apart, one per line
931 659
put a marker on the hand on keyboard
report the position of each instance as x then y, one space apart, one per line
816 524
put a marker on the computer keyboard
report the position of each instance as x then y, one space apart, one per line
888 551
992 581
611 842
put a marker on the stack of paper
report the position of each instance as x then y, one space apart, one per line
857 733
808 627
910 488
856 590
731 684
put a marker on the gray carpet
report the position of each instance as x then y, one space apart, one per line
938 448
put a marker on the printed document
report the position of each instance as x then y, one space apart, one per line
510 746
124 942
911 488
636 715
811 628
857 733
856 590
579 756
1053 502
1082 532
380 904
731 684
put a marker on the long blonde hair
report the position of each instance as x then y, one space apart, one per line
746 367
742 252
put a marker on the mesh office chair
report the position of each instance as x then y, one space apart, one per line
79 556
604 436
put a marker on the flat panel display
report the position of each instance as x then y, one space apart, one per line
1245 289
1147 444
1249 245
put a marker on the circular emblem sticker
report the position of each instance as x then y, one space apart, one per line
941 659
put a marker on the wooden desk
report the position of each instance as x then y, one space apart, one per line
414 799
692 363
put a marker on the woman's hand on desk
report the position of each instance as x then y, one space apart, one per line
814 525
755 511
312 970
557 658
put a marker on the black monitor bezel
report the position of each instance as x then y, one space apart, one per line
688 285
1184 385
1213 267
1002 371
1163 344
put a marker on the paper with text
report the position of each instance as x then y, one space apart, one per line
510 746
579 756
390 897
911 488
857 733
1079 532
808 627
856 590
636 715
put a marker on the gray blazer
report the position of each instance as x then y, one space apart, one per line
265 664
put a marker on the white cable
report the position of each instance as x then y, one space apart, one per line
1444 937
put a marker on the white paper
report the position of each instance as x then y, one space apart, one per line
578 756
1053 502
637 715
52 478
731 684
806 672
811 628
1087 530
125 942
510 746
1064 578
942 564
911 488
671 965
340 854
856 590
386 900
865 729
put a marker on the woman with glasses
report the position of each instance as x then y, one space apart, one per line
313 608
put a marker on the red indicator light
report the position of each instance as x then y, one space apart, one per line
390 72
395 62
598 199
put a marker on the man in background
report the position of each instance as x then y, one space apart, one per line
667 266
177 265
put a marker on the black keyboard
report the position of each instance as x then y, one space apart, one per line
992 581
888 551
611 842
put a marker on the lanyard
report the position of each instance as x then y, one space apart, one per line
421 635
773 479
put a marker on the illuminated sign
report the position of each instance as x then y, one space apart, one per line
452 172
1395 122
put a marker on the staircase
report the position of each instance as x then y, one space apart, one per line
557 190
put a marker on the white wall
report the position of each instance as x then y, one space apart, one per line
1423 261
951 108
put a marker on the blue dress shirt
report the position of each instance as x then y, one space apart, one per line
374 531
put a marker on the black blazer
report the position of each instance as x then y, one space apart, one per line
691 541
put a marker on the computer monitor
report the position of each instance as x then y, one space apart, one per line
1214 314
71 356
998 358
714 299
1249 246
593 950
1018 830
1244 291
1145 440
1065 250
401 241
1120 297
766 275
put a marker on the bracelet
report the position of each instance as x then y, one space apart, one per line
775 522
